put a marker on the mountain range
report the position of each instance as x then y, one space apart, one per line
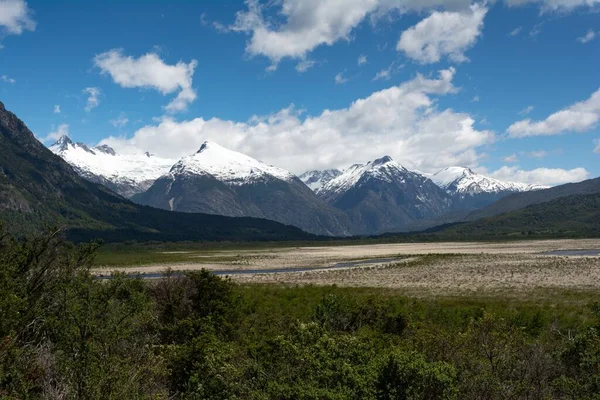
38 190
219 181
376 197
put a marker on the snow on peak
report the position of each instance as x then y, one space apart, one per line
315 179
227 165
463 180
383 169
131 169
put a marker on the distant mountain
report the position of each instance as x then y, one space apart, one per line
38 188
383 196
216 180
315 179
470 190
125 174
521 200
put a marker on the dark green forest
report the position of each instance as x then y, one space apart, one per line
67 335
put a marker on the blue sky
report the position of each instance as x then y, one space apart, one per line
316 84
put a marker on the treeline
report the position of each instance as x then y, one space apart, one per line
66 335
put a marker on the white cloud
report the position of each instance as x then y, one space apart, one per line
93 99
150 71
526 110
541 176
62 130
403 121
511 158
384 74
362 60
578 117
588 37
339 79
443 34
120 121
516 31
7 79
57 109
303 25
15 17
305 65
556 5
597 144
475 99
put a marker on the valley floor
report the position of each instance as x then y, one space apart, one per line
427 269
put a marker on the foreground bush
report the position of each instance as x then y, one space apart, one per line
67 335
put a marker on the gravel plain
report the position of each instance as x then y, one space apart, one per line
420 268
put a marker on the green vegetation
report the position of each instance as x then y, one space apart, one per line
66 335
566 217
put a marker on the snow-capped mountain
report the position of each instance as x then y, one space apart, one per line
383 196
228 166
124 174
470 190
315 179
216 180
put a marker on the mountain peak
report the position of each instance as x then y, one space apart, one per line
382 160
227 165
463 180
62 144
208 145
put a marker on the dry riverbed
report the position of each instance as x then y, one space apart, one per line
416 269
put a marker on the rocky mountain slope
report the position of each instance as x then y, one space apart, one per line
216 180
383 196
124 174
38 188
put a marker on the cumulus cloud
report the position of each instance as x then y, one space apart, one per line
511 158
62 130
362 60
57 109
303 25
541 176
15 17
443 34
579 117
597 144
402 121
120 121
150 71
588 37
93 99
